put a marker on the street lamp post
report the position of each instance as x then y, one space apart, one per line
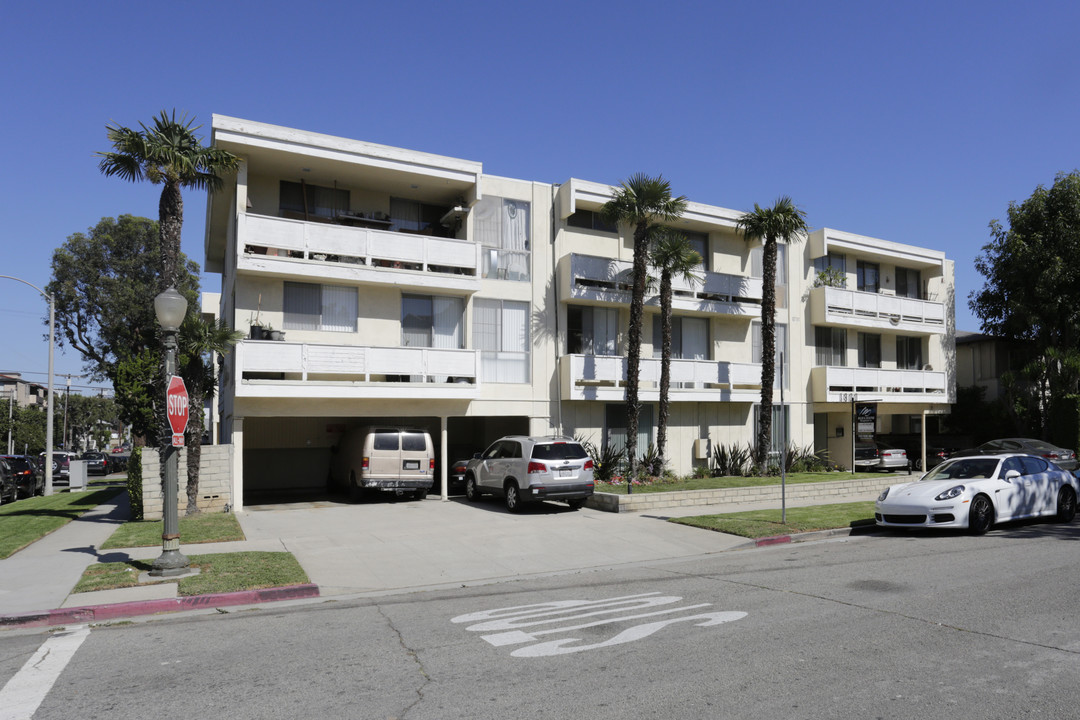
49 406
170 307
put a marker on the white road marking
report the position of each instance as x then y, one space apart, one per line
525 623
26 690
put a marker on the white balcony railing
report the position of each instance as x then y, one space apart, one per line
315 370
606 280
837 384
349 247
603 377
855 308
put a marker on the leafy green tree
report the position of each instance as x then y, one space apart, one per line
91 419
201 340
170 154
27 425
1031 294
672 256
641 202
783 222
104 283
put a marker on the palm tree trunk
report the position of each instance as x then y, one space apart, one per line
665 366
193 441
768 348
171 220
633 350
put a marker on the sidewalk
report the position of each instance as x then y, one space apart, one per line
363 549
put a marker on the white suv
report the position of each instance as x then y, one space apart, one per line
523 469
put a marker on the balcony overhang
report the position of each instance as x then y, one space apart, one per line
603 378
897 387
576 194
839 307
824 240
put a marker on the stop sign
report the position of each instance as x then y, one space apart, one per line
176 407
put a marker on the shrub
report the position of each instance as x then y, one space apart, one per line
731 460
606 461
649 462
134 483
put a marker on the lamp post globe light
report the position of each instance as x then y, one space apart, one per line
170 308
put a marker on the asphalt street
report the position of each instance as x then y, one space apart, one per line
887 626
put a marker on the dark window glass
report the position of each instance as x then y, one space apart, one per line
1035 465
867 276
386 441
312 200
413 442
590 220
559 451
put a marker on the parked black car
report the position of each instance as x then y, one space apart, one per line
9 492
28 481
1063 458
97 463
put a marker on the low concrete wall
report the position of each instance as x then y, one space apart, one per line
215 481
643 502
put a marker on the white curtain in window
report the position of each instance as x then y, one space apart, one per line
514 359
416 320
302 306
781 347
605 330
339 308
448 330
695 338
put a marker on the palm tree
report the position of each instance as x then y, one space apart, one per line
783 222
200 338
168 154
641 202
674 257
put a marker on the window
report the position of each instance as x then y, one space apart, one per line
689 338
311 200
416 217
615 420
781 347
908 282
757 269
830 346
590 220
780 430
699 241
329 308
832 260
592 330
428 321
867 277
501 333
869 350
502 228
909 353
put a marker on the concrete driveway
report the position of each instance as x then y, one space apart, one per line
390 546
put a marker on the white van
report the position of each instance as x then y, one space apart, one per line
393 459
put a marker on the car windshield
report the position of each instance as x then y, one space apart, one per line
1041 446
559 451
964 469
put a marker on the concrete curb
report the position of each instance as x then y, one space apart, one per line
98 613
814 535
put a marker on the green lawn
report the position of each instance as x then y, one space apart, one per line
224 572
201 528
691 483
26 521
766 523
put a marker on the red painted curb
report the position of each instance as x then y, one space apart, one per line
775 540
96 613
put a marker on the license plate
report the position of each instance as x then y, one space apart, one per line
411 465
566 473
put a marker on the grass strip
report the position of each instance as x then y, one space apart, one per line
29 520
766 523
717 483
219 573
201 528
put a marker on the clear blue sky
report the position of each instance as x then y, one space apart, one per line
916 122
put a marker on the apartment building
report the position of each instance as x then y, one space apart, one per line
389 286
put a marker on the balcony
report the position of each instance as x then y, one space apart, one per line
837 384
364 255
603 377
839 307
271 369
605 281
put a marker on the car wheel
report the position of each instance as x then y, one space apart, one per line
1066 504
356 493
472 494
576 503
513 497
420 494
980 515
918 465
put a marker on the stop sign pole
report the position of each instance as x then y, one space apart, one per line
171 307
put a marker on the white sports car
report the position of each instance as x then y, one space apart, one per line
976 492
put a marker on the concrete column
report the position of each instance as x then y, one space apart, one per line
444 462
237 442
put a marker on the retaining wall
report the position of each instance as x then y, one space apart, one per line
215 481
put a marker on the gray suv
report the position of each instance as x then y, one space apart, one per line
525 469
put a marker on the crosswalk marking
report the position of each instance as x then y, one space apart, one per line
25 691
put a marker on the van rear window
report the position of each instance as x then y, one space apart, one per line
413 441
559 451
386 441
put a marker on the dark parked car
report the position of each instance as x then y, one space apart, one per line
9 492
28 481
97 463
1064 459
934 457
61 466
